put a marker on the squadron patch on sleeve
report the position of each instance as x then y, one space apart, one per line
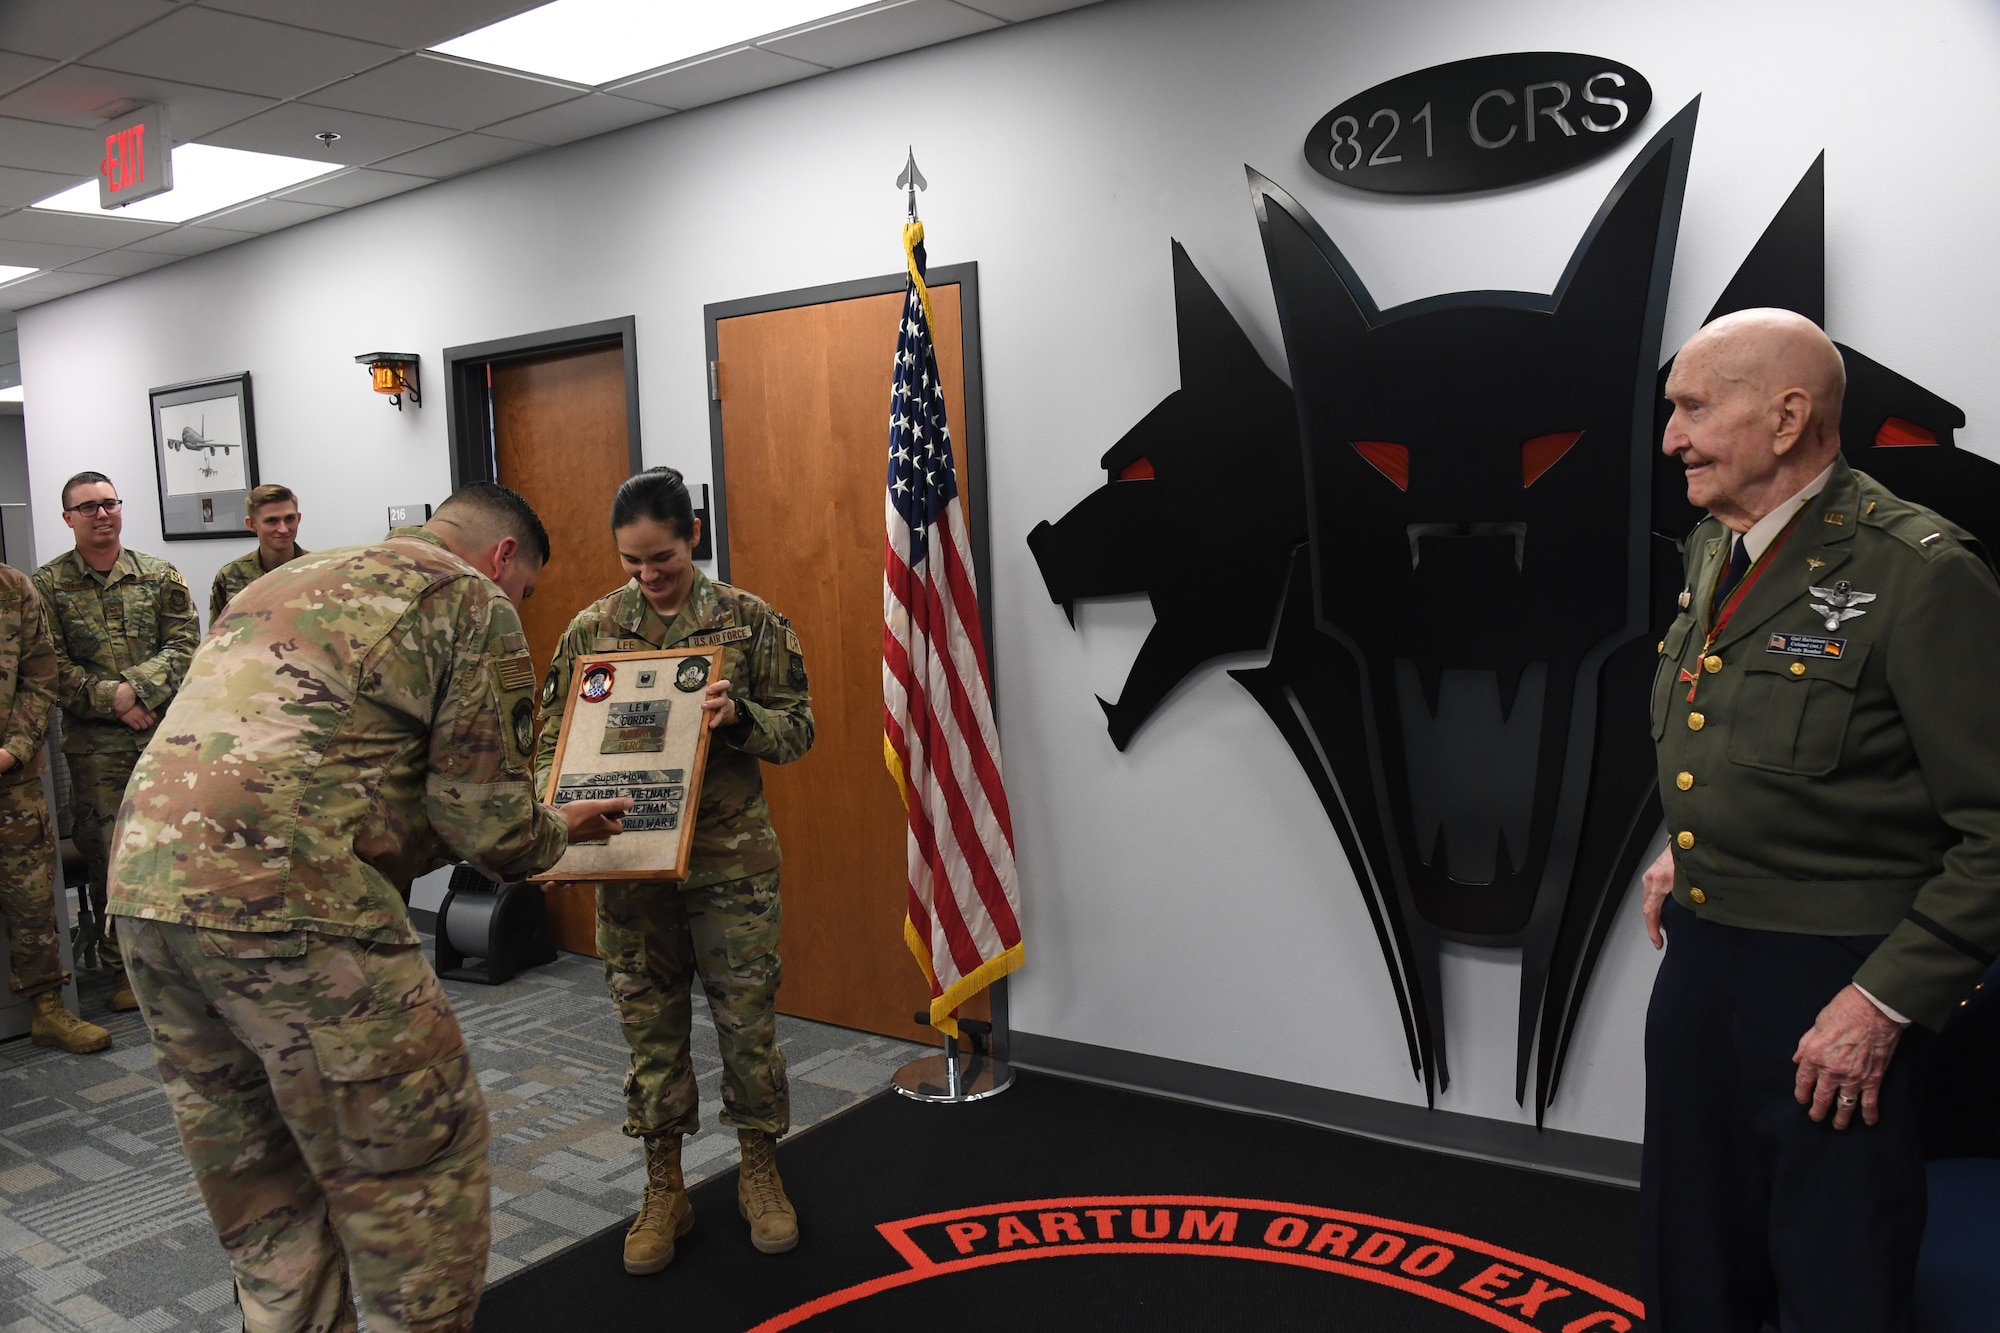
549 689
524 727
177 599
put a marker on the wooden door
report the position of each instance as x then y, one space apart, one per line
559 438
805 444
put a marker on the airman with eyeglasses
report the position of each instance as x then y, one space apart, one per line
125 630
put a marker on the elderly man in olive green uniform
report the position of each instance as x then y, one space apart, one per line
351 723
1829 746
272 515
27 835
125 628
722 922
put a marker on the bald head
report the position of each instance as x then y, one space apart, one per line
1756 399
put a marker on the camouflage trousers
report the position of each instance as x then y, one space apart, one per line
97 788
328 1107
655 938
27 889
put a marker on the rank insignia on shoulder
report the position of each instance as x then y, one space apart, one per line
1840 603
1805 645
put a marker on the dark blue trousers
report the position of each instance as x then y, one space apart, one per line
1751 1213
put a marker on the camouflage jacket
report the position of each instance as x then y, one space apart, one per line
762 660
27 676
237 575
355 719
134 623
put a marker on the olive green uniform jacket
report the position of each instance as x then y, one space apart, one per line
355 719
237 575
1843 780
765 665
135 623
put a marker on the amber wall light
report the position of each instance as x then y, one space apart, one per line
394 374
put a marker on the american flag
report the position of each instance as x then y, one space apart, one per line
964 915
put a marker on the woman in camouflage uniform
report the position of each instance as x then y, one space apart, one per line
722 921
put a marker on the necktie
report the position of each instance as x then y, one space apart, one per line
1739 565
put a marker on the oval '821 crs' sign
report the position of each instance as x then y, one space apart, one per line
1480 124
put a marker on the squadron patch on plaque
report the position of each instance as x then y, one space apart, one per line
692 675
597 680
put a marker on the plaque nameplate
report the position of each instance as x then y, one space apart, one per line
631 728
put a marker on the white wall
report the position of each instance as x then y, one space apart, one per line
1186 898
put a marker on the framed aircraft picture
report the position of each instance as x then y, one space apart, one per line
205 451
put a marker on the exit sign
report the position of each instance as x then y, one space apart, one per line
138 160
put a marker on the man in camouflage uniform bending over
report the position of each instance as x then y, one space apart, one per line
355 719
124 628
27 836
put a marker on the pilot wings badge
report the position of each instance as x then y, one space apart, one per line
1840 602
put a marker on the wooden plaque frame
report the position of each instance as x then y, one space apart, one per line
636 854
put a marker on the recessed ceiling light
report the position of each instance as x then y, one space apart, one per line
206 178
9 272
596 41
12 395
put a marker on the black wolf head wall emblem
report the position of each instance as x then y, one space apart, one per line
1457 538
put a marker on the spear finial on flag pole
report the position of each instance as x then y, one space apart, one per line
912 180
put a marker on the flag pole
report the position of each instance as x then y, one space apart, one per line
945 1077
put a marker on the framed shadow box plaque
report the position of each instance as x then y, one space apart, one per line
633 726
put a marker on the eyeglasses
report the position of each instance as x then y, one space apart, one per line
92 508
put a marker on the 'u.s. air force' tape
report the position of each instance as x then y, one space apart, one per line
1806 645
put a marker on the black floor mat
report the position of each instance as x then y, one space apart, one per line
1062 1205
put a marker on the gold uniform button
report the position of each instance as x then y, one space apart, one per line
1711 665
1697 897
1696 721
1685 840
1798 668
1684 781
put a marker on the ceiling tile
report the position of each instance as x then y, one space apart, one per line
270 215
397 22
39 147
468 152
16 70
289 129
245 54
44 254
1014 11
77 94
121 263
65 29
442 92
46 287
99 233
882 32
731 74
191 240
580 119
19 188
354 187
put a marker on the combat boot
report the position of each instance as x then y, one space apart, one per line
123 1001
760 1195
665 1214
58 1027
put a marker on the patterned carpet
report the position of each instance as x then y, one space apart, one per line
101 1230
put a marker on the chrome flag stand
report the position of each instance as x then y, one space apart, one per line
945 1078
